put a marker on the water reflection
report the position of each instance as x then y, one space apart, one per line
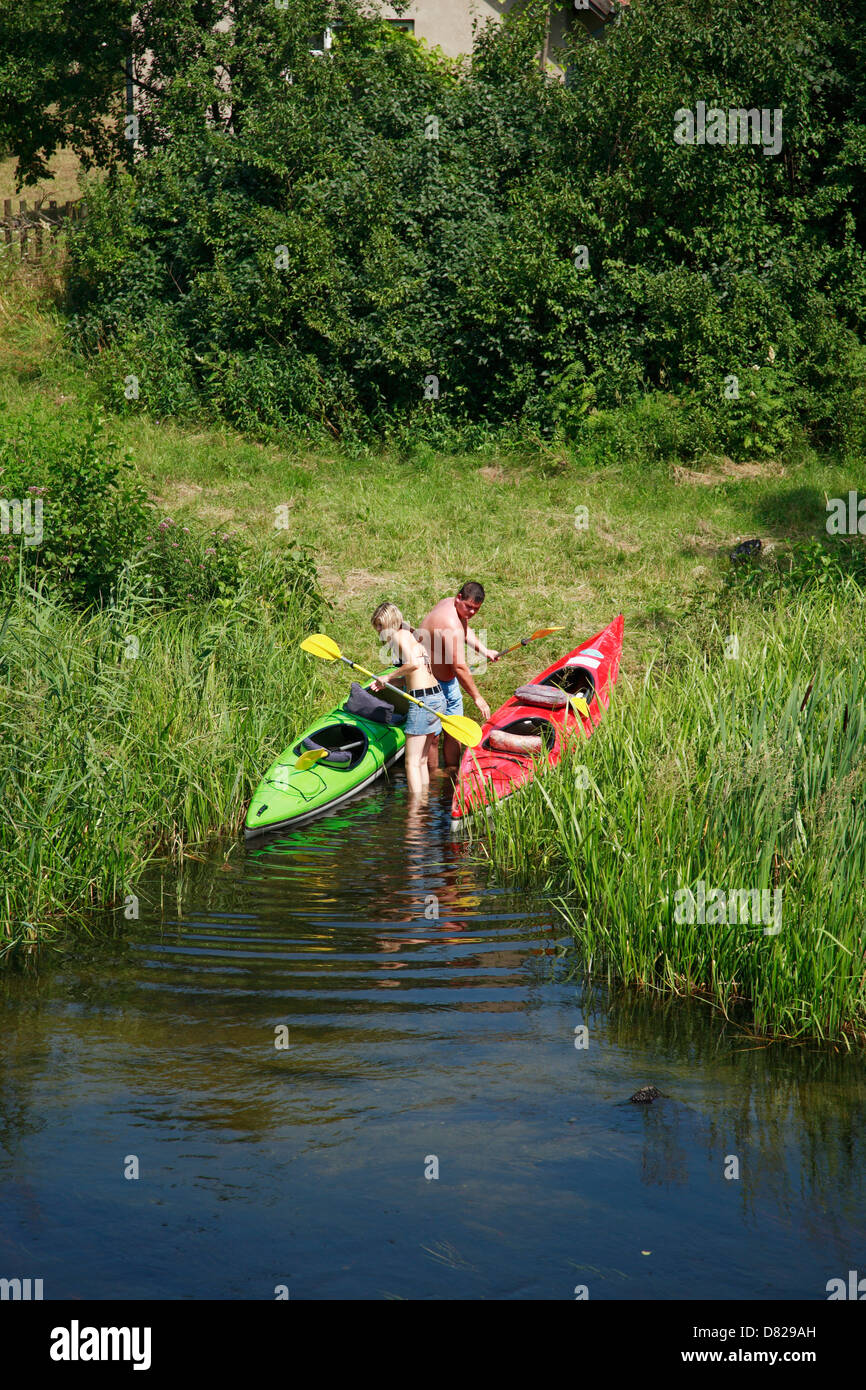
793 1116
428 1012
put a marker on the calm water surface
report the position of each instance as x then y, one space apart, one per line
414 1040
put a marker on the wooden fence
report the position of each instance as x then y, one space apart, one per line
29 230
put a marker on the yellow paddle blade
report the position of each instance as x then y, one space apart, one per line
463 729
544 632
321 646
581 706
307 759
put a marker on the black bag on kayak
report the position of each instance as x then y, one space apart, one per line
367 706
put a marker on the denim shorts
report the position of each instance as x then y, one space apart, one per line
453 696
418 721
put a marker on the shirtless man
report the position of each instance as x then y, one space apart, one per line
446 634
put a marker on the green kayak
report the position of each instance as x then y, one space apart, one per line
360 749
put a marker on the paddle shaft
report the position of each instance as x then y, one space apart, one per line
463 729
395 688
524 641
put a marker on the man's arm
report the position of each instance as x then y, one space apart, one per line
464 676
474 641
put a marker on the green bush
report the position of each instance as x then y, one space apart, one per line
78 523
146 367
387 245
647 431
92 513
178 565
816 565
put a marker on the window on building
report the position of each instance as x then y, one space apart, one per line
322 43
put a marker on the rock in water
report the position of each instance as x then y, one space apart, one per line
645 1095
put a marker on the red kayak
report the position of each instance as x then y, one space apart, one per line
539 722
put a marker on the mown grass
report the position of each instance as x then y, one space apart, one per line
64 181
128 734
412 528
740 774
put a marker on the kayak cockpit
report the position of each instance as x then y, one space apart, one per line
577 681
531 728
346 745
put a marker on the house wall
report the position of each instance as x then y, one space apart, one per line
448 23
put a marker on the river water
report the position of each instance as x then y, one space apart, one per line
430 1019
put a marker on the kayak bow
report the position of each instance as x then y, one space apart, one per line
334 759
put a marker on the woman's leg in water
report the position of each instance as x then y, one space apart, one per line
416 750
432 741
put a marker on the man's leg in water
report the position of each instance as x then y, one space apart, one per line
453 705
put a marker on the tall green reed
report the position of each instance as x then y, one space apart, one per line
741 774
130 733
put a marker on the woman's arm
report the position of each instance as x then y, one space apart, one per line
404 642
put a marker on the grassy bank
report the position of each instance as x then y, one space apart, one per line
739 774
413 526
188 733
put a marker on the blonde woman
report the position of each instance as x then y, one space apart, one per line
422 729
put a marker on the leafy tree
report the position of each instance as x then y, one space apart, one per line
62 72
382 240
